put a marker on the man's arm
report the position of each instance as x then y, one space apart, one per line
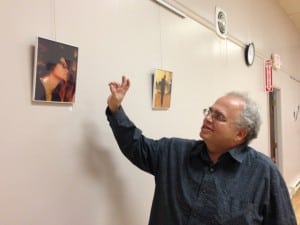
279 210
141 151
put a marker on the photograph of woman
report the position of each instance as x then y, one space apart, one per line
55 72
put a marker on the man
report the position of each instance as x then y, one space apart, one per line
218 180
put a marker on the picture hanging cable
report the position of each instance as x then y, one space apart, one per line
54 18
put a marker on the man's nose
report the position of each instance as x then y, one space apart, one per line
208 117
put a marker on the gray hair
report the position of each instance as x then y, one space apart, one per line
249 118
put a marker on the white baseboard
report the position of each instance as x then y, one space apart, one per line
293 190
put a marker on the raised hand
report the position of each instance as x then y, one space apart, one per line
118 92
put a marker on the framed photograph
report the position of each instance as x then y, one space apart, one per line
162 89
55 72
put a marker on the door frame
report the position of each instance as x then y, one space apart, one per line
275 128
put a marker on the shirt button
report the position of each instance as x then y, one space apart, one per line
211 170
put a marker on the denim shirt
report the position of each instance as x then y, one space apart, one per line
243 188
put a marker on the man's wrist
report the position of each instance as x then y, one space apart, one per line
114 108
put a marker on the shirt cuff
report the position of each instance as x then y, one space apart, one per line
118 116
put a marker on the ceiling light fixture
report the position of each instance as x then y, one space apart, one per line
221 22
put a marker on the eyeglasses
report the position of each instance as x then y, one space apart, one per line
215 115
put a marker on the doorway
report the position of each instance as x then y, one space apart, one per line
275 128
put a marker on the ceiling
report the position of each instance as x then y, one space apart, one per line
292 8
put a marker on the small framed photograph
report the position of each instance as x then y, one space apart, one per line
162 89
55 72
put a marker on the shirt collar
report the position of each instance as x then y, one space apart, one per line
238 153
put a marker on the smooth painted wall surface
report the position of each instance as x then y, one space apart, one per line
60 164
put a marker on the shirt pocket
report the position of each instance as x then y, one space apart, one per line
233 211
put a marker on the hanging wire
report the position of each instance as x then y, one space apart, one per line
54 19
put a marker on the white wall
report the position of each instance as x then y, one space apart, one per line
60 164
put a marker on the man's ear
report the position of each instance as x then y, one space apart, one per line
241 135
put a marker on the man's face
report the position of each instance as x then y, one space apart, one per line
219 129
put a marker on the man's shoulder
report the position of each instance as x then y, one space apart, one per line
177 141
260 158
177 145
